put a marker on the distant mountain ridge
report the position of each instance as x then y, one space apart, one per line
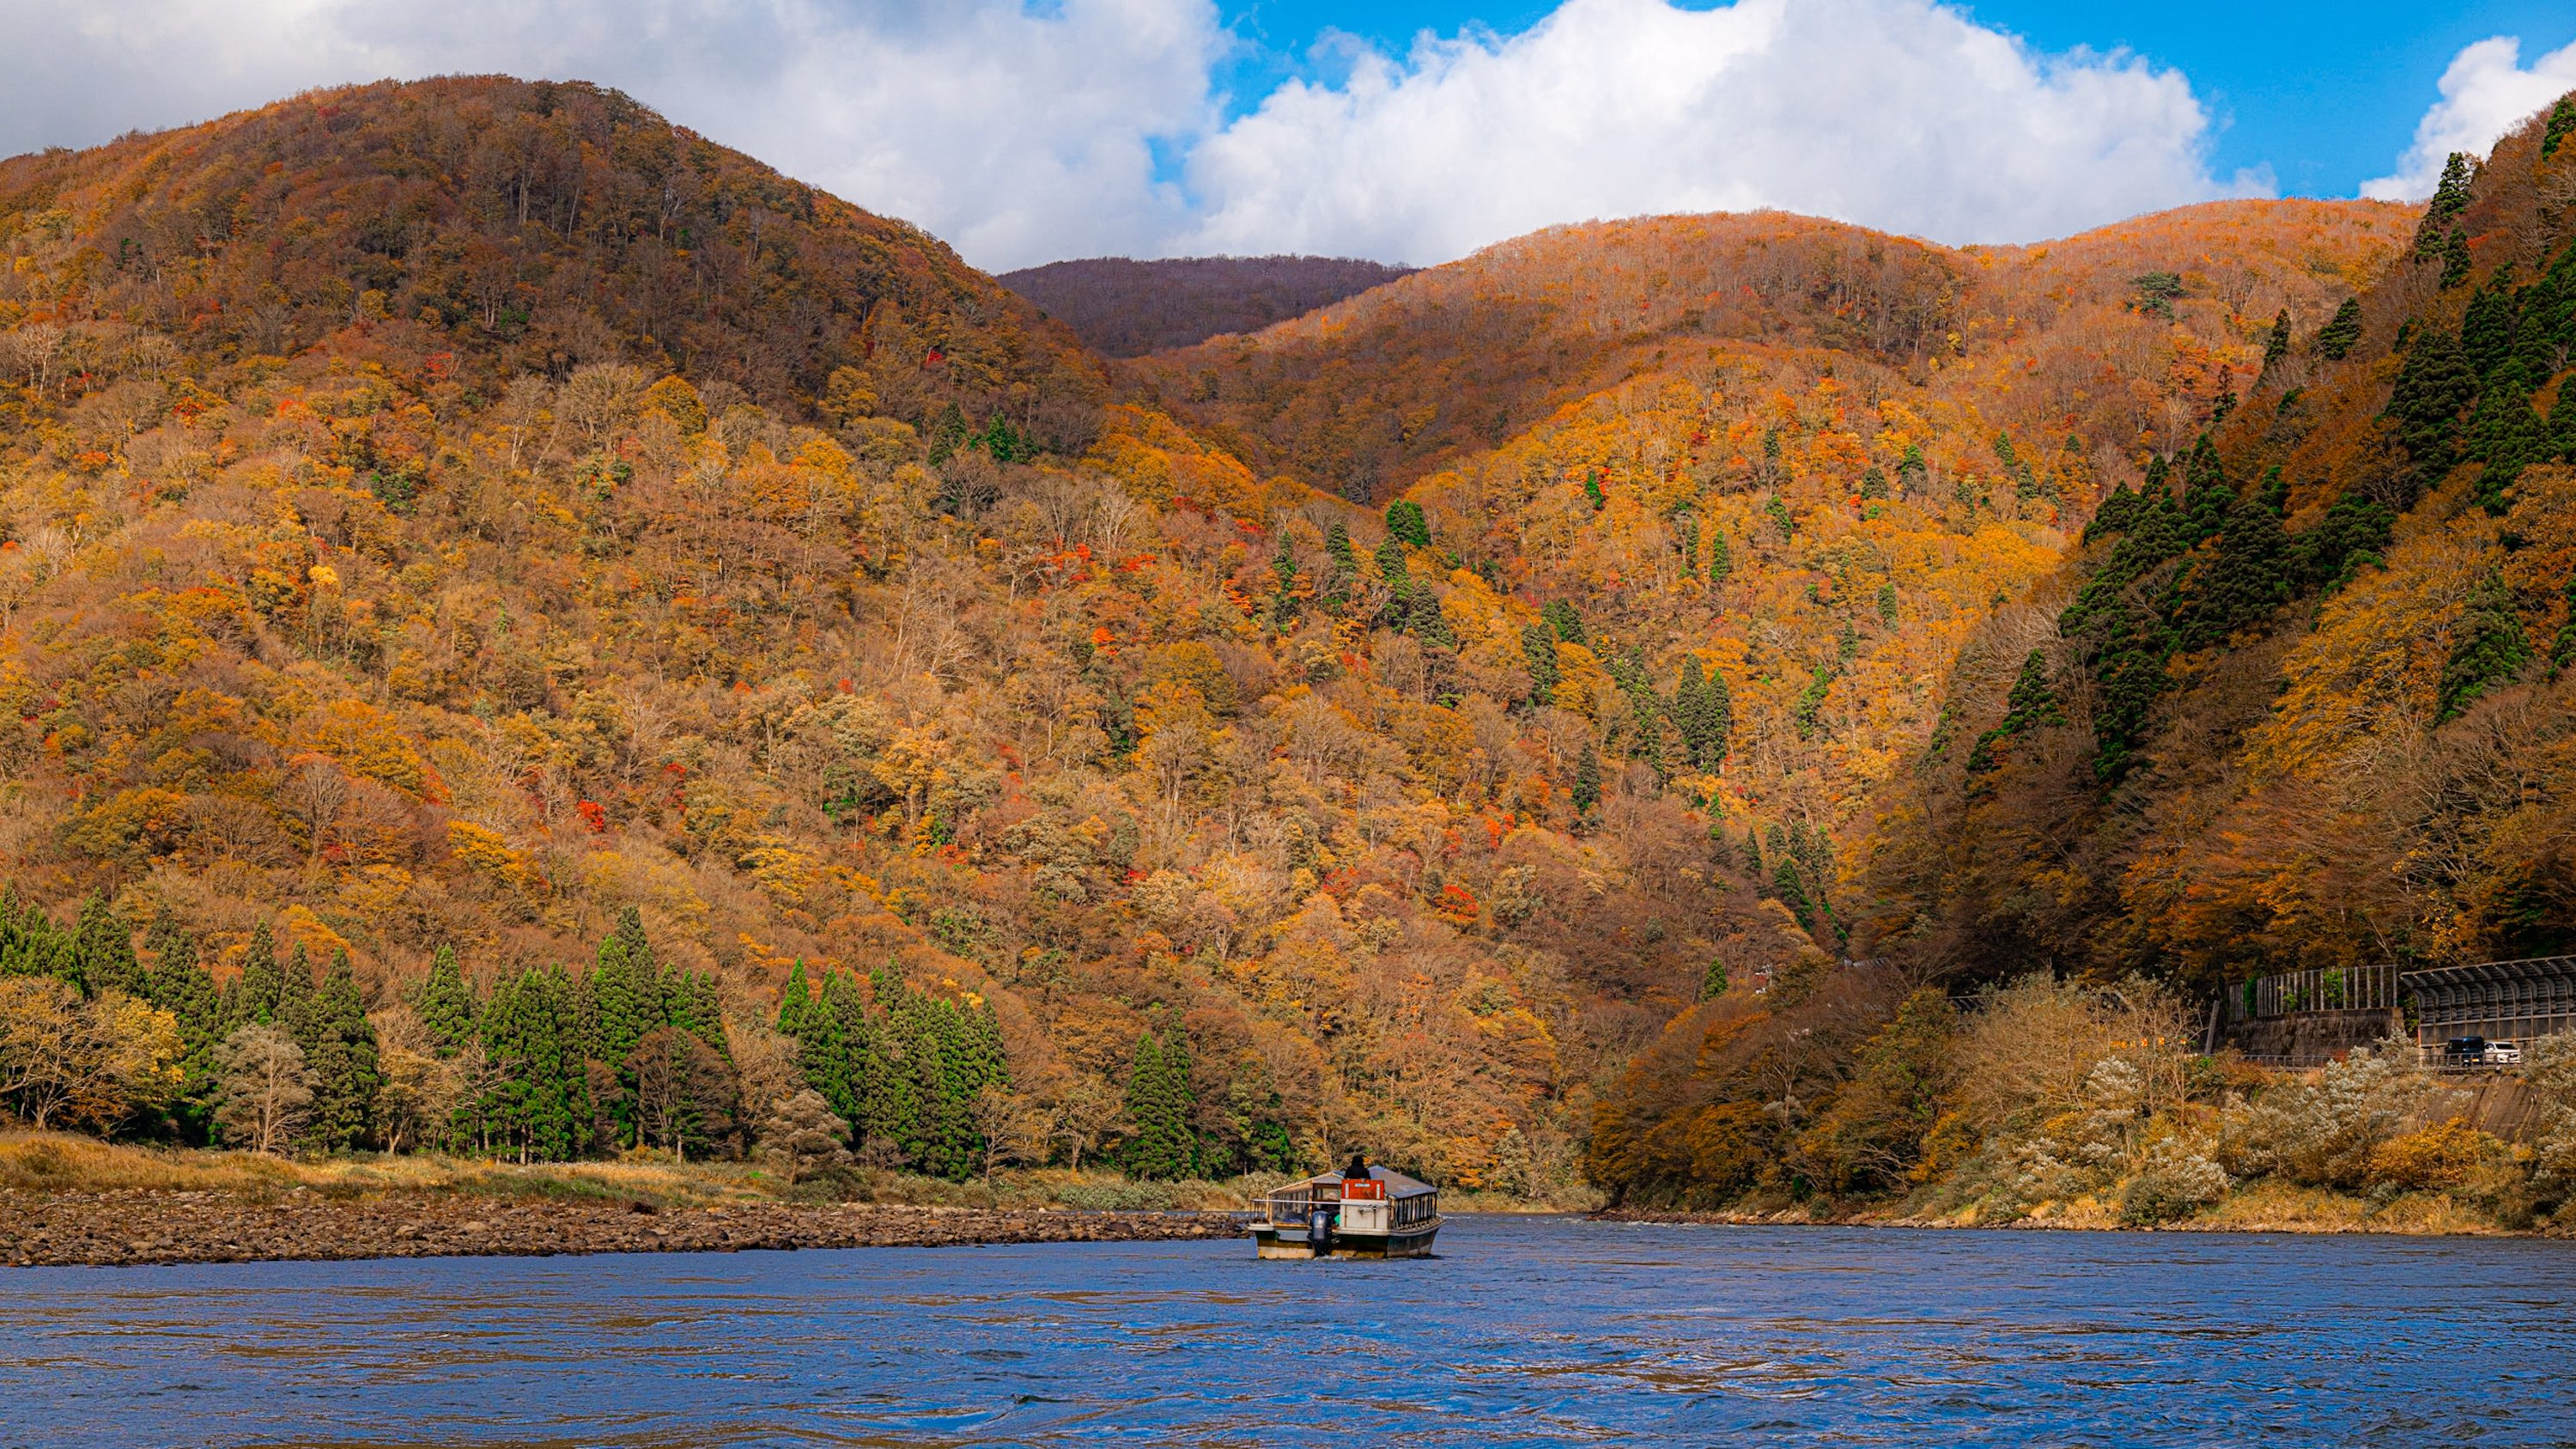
1127 308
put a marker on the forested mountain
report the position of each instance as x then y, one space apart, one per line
622 599
2296 699
1127 308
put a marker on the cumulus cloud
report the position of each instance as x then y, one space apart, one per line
1025 130
2485 93
1900 114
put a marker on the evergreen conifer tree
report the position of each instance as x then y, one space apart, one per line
2456 260
2487 327
445 1004
1792 892
1887 603
2562 120
294 995
1568 624
1404 521
2450 198
261 985
2277 346
2435 385
342 1059
1160 1103
1719 564
1712 983
1587 780
103 946
1390 566
2335 339
1538 649
179 985
2488 645
1425 621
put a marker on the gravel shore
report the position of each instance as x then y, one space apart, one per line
143 1226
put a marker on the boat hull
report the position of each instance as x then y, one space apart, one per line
1273 1241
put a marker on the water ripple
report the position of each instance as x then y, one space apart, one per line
1545 1332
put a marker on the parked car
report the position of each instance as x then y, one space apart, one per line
2464 1051
2503 1054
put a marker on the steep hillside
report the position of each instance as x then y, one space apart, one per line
2310 692
340 622
2297 700
1126 308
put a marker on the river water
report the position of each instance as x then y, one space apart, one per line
1523 1332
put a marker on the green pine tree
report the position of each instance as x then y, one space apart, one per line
103 945
2435 386
2450 198
2031 703
2562 120
2488 646
2277 346
1719 564
343 1060
1712 984
1587 780
1568 624
2335 340
2456 260
1160 1103
1792 892
1887 603
1592 490
1404 521
1538 650
179 985
445 1004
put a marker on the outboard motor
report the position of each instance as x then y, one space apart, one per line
1319 1231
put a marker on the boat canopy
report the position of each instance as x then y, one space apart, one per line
1392 1185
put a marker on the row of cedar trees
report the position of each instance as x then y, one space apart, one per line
566 1064
561 1064
911 1072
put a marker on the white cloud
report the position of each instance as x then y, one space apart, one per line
1900 114
1024 130
2485 93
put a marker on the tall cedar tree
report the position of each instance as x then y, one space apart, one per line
1160 1104
445 1004
2488 646
2335 339
341 1055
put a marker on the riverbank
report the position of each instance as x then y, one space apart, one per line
68 1200
2267 1207
136 1226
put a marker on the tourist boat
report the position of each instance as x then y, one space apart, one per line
1359 1212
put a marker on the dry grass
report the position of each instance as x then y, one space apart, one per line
58 1162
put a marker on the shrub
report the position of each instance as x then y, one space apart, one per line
2178 1178
2322 1133
2437 1157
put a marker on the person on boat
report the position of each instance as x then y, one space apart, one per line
1359 1165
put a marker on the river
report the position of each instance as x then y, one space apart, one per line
1523 1332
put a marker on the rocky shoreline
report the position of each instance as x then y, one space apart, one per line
142 1226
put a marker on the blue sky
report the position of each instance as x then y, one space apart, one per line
2325 96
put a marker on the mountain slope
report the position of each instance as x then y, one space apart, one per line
1369 394
532 227
2297 700
1125 308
